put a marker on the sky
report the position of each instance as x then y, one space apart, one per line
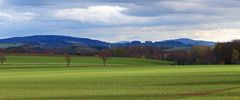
122 20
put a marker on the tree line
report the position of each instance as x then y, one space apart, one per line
221 53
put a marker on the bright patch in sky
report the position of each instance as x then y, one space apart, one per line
112 15
1 1
15 17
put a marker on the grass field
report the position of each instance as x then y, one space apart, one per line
47 78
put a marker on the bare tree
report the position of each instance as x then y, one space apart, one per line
2 58
67 59
104 55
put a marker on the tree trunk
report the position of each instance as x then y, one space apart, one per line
104 62
68 63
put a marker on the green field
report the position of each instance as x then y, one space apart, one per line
47 78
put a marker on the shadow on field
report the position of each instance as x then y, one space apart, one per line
108 97
43 66
202 83
209 92
53 66
128 96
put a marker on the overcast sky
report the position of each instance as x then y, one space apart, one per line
122 20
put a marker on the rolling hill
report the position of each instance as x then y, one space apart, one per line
56 41
53 41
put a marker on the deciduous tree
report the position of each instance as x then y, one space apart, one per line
67 59
104 55
2 58
235 56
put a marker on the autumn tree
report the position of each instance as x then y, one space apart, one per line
119 52
235 56
104 55
224 51
203 55
180 57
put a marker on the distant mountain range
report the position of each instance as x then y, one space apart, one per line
62 41
194 42
183 42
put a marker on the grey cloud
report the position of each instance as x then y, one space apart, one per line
48 2
179 15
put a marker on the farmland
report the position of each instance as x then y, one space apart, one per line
48 78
